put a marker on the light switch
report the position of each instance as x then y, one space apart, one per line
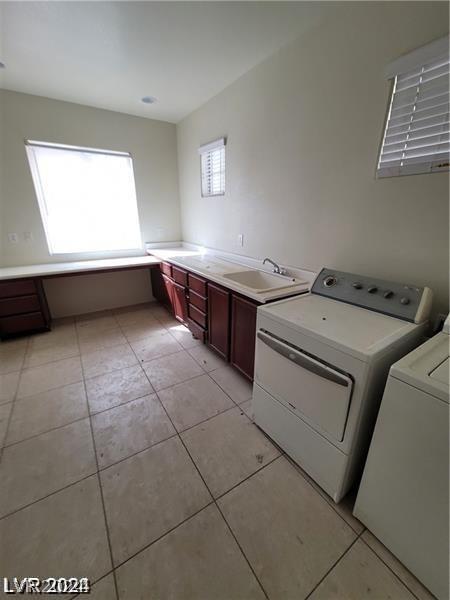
241 239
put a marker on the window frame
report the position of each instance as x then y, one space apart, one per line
43 210
214 146
415 65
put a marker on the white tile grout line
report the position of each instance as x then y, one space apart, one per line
258 470
177 434
94 414
209 491
325 497
94 447
359 537
390 568
105 468
91 414
13 402
337 561
223 516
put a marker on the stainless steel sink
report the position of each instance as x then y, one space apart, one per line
260 281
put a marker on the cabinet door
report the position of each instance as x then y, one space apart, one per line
243 332
168 285
219 320
180 308
158 286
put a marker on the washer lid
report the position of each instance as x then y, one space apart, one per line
427 367
356 331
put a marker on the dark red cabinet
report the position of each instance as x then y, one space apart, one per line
197 306
172 294
23 307
168 286
179 276
219 320
223 319
159 286
180 309
243 333
166 268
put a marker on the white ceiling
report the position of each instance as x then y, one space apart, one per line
111 54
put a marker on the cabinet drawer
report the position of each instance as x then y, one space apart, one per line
21 304
197 284
198 301
196 330
21 323
17 287
179 275
197 315
166 268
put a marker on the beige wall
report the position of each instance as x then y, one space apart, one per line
151 143
303 131
153 146
99 292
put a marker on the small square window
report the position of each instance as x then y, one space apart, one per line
87 198
212 165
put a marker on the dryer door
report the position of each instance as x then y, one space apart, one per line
313 390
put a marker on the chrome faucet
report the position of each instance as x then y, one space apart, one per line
276 268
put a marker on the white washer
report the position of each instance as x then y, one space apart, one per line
404 494
321 364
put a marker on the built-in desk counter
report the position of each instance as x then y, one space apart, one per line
23 305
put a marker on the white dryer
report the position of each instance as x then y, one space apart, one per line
404 494
321 365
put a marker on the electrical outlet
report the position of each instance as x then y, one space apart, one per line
13 238
27 236
240 239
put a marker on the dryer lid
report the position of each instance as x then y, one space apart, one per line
356 331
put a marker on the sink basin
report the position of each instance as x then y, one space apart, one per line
260 281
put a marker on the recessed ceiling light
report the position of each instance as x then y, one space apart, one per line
2 65
148 100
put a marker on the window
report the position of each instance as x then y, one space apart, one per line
416 136
87 198
212 165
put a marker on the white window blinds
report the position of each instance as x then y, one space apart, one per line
212 165
416 136
87 198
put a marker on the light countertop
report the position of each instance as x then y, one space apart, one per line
82 266
214 266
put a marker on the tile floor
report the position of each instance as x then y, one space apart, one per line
129 456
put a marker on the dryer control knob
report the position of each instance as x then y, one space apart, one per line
357 285
404 301
372 289
388 294
329 281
